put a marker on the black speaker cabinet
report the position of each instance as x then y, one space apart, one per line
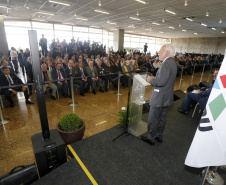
49 153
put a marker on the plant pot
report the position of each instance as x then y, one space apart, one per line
71 137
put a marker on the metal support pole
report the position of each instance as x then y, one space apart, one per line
204 175
202 72
73 103
193 72
2 120
118 93
182 70
210 72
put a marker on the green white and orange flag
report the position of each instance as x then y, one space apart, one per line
208 147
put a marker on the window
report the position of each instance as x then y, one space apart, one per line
63 32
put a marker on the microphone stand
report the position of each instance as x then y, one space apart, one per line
125 127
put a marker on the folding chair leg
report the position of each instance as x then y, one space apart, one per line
1 101
194 110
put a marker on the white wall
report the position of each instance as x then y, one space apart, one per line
200 45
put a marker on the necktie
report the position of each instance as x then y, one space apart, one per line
10 80
70 70
83 76
47 78
125 68
59 76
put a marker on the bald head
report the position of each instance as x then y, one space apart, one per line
166 50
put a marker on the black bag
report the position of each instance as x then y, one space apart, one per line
204 84
20 175
192 87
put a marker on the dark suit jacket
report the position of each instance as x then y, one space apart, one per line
10 69
28 68
78 72
4 81
54 74
100 70
89 71
67 71
203 97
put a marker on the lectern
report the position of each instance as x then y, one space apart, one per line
141 93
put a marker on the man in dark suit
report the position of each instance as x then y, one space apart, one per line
82 73
7 79
162 94
4 63
70 72
59 74
43 44
29 73
92 72
21 60
100 71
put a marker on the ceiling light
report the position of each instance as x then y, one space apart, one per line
220 20
94 27
148 29
163 20
26 5
75 15
196 33
222 31
138 19
83 19
65 4
169 11
155 23
161 32
214 29
185 2
5 7
207 13
179 25
99 3
203 24
130 31
188 19
111 22
171 27
140 1
137 13
70 23
184 30
45 13
39 20
101 11
131 26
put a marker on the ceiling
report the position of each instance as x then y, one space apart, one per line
120 12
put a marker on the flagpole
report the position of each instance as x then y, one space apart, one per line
204 175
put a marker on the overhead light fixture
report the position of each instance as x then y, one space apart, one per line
129 31
220 21
75 15
222 31
70 23
137 13
189 19
111 22
203 24
163 20
135 18
140 1
148 29
171 27
155 23
56 2
184 30
161 32
185 2
26 5
214 29
45 13
42 20
99 3
169 11
83 19
101 11
207 13
131 26
196 33
5 7
179 25
94 27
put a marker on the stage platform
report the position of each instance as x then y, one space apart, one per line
129 160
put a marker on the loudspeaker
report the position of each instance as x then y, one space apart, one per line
49 153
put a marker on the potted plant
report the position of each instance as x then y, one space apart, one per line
71 128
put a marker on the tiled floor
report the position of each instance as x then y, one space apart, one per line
98 111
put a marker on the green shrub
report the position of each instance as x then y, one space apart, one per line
122 118
70 122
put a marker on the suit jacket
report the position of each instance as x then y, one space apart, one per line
4 81
90 72
54 74
49 75
67 71
100 70
162 94
10 69
78 72
203 97
129 69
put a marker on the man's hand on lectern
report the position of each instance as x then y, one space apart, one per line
149 78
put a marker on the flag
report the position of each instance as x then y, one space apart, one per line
208 147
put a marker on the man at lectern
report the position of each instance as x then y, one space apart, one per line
162 94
